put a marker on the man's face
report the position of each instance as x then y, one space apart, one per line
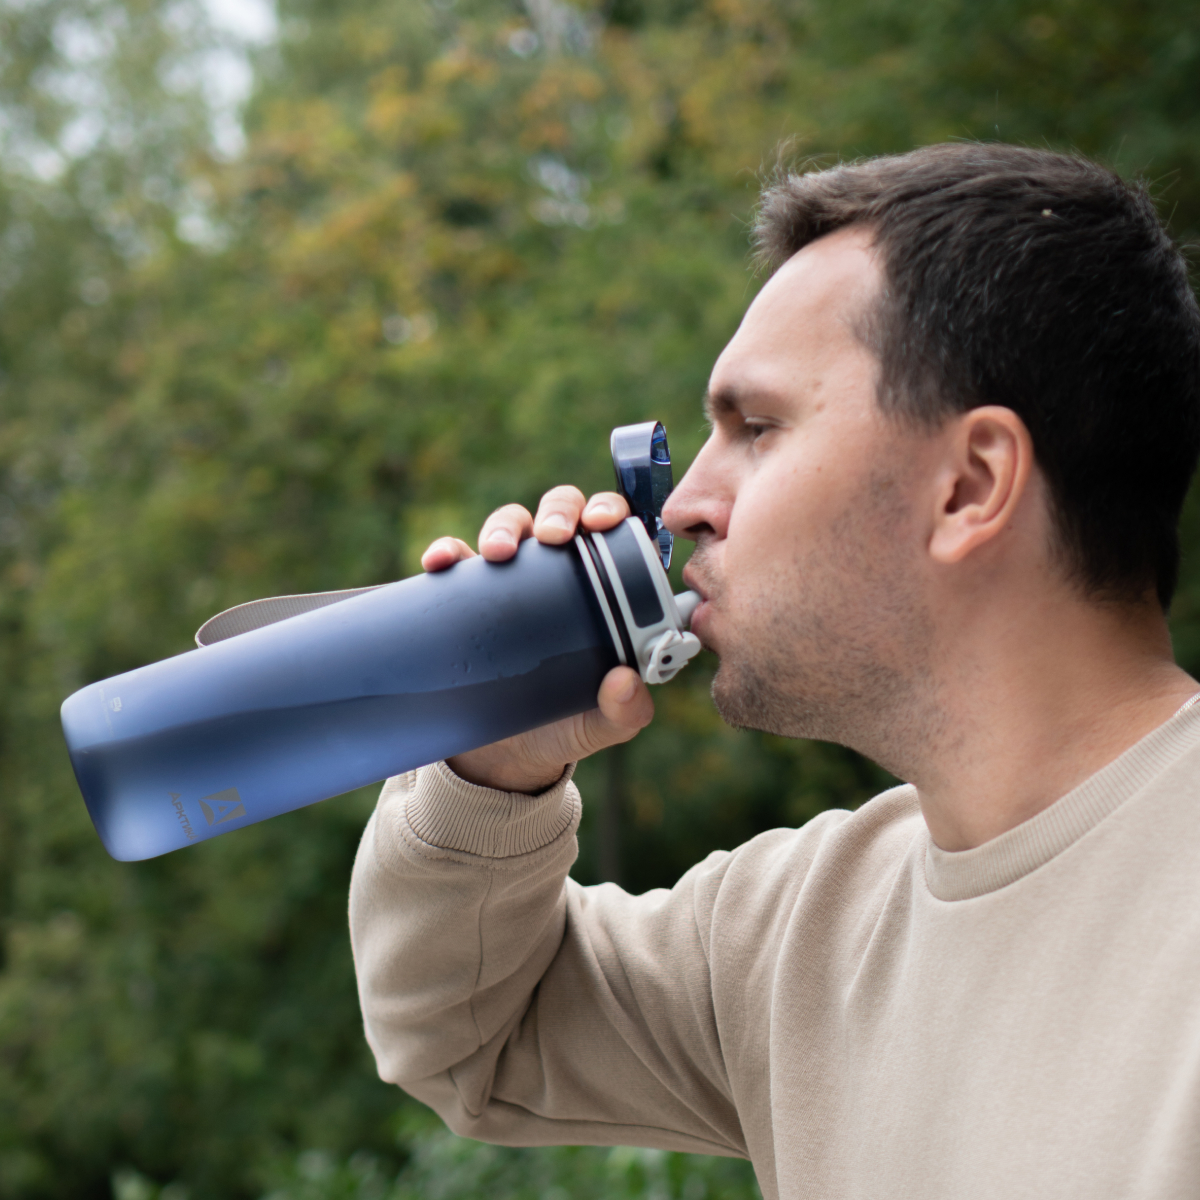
802 504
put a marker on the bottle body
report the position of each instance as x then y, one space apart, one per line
294 712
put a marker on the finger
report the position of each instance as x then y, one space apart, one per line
502 532
445 552
558 515
604 510
532 761
624 708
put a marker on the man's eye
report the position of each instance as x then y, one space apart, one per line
755 429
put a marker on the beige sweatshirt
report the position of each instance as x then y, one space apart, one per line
858 1012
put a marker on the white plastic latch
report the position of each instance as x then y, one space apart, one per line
669 652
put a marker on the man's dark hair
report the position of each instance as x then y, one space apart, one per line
1045 283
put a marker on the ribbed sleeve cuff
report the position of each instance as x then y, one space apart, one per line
448 813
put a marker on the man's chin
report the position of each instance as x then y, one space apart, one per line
745 703
748 700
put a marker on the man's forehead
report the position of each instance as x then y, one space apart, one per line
808 311
836 277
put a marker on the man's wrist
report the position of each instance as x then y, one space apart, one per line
481 769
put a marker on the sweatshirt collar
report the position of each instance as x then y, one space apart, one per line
964 874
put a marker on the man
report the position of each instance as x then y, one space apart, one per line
935 521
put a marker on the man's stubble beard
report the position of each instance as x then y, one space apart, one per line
837 646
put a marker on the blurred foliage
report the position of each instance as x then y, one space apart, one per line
445 1167
461 242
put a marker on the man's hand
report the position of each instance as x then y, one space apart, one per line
532 761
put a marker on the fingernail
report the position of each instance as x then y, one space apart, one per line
601 508
627 690
556 521
501 537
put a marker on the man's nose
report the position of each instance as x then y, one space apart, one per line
672 512
697 506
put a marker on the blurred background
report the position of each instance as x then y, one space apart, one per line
287 291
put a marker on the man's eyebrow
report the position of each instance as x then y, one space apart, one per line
733 399
723 400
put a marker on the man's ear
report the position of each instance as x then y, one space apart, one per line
984 475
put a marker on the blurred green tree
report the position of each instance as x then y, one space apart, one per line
463 239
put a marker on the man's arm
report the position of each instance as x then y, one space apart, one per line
524 1008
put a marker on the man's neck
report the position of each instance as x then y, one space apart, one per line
1034 706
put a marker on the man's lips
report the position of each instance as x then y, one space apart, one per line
689 578
701 611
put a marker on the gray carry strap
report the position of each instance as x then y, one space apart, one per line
257 613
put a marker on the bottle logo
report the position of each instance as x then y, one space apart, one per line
177 804
225 806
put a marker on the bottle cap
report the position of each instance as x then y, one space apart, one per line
642 463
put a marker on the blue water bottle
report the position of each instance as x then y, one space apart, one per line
295 699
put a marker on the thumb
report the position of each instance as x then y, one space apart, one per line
624 707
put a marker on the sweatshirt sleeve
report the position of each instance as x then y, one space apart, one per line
524 1008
